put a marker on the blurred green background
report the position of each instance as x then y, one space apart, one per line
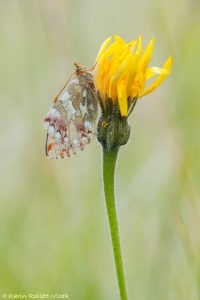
54 234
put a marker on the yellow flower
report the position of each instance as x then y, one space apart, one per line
121 71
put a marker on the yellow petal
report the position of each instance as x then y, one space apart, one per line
133 72
103 48
123 66
132 44
102 68
119 40
118 60
147 55
153 71
138 85
160 79
134 91
139 48
122 98
127 69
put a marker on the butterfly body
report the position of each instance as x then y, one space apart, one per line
70 123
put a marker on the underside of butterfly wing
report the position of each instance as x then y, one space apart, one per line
70 123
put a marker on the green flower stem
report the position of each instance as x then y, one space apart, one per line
109 163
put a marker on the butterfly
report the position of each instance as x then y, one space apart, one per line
71 121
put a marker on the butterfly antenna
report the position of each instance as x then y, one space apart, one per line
81 68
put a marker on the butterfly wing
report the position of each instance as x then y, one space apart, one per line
70 123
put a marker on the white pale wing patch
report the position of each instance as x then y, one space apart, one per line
70 123
64 97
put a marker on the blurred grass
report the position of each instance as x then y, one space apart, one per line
53 226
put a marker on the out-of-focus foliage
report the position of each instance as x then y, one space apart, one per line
53 227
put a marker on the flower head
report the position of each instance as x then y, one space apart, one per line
121 72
